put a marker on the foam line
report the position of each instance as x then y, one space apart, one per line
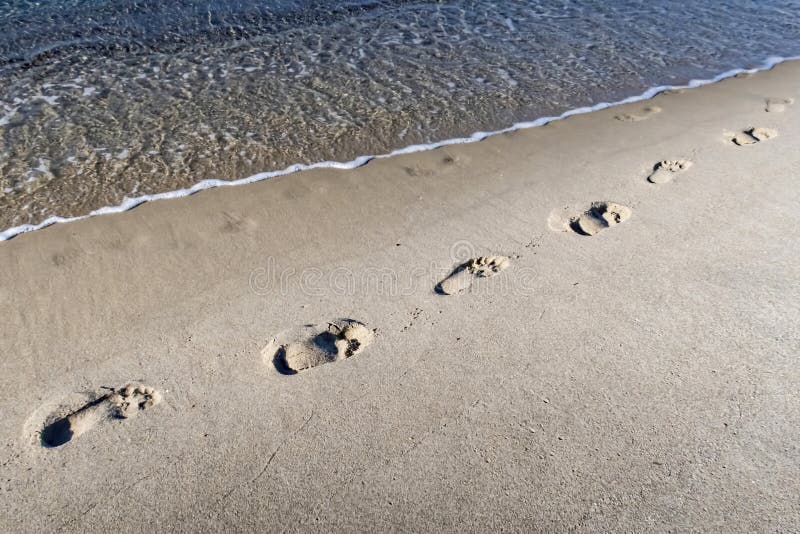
130 203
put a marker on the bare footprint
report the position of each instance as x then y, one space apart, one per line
600 216
341 340
752 136
665 171
777 105
123 403
646 113
462 277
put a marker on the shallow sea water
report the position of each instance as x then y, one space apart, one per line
103 99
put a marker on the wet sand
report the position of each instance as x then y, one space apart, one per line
591 326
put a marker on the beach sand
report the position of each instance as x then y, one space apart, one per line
643 377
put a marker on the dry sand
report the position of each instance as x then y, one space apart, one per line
641 378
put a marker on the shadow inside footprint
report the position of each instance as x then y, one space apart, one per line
462 276
123 403
752 136
664 171
343 339
440 287
326 341
600 216
61 431
280 364
57 433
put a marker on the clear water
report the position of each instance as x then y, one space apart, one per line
102 99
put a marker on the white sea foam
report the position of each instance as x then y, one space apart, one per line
6 119
130 203
50 99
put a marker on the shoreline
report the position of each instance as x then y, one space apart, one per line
631 371
211 183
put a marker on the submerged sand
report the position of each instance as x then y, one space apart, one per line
622 357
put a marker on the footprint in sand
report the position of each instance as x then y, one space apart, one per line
462 277
752 136
646 113
665 171
341 340
777 105
598 217
123 403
